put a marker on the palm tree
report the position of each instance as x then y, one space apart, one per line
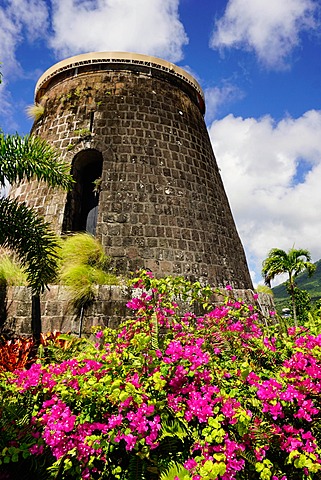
21 229
292 263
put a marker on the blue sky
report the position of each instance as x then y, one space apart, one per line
259 64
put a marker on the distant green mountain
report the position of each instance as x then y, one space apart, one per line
311 284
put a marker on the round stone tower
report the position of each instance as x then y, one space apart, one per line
146 180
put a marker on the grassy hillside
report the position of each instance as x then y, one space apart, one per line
311 284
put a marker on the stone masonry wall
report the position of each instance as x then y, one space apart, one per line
162 203
108 310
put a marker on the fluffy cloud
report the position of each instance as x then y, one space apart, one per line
9 32
215 97
271 172
144 26
270 28
6 108
19 19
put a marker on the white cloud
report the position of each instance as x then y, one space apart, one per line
6 108
19 18
9 38
261 162
31 15
145 26
217 96
271 28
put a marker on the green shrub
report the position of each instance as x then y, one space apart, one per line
170 395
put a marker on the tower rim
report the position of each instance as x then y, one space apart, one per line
123 58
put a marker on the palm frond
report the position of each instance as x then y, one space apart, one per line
295 261
10 413
174 428
31 158
29 236
174 470
136 468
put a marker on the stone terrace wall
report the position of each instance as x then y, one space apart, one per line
108 310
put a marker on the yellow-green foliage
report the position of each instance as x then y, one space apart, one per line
11 273
83 266
35 111
83 280
82 263
83 248
264 289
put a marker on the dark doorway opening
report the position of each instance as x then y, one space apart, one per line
81 210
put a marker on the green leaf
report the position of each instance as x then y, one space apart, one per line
173 470
30 237
30 157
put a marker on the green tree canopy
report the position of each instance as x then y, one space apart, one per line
294 262
22 230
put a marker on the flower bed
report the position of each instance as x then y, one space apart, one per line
171 395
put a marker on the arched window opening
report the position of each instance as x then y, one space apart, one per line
82 202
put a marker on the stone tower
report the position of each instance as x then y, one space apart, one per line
147 183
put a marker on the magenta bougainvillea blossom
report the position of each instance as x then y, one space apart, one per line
172 394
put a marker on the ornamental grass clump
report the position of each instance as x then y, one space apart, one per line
83 248
11 272
83 266
171 395
35 111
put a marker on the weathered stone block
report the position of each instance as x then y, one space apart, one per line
144 126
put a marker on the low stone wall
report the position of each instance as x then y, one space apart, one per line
108 310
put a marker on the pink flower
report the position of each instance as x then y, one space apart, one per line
269 343
36 449
136 304
275 410
219 312
269 389
229 409
189 464
130 441
252 378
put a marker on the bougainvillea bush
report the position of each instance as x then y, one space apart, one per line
171 395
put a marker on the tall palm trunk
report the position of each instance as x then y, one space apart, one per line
36 318
293 301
